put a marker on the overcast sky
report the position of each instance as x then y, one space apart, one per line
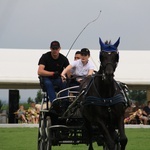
35 23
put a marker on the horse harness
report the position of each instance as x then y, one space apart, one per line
119 96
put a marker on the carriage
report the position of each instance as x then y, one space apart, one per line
63 122
58 126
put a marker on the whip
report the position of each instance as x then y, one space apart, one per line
82 31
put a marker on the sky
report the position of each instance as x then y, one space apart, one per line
24 95
33 24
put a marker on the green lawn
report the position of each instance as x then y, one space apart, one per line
26 139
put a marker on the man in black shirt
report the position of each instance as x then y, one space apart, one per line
51 64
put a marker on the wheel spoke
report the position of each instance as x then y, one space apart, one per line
48 143
41 132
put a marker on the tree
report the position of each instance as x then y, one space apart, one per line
1 105
29 100
39 96
138 96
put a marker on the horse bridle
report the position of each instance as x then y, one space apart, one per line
108 63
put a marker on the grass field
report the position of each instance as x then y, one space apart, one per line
26 139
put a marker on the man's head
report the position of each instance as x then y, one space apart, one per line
55 48
77 55
54 45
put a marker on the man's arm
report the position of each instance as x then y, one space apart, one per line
42 72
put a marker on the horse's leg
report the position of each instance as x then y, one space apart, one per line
123 137
90 146
90 138
107 137
113 133
89 132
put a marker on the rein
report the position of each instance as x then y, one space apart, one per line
92 82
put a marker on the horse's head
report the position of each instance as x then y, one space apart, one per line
109 57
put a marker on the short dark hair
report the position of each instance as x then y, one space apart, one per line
85 51
78 52
55 45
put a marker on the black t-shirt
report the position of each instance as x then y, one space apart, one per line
53 64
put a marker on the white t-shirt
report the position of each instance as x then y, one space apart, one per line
79 69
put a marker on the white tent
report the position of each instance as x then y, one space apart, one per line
18 67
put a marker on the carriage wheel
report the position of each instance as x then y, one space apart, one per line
48 141
41 132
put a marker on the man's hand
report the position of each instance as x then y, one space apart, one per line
56 74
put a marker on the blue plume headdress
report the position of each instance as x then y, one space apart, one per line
109 47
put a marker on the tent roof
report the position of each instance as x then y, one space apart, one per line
19 67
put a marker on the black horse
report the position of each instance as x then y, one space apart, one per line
103 103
